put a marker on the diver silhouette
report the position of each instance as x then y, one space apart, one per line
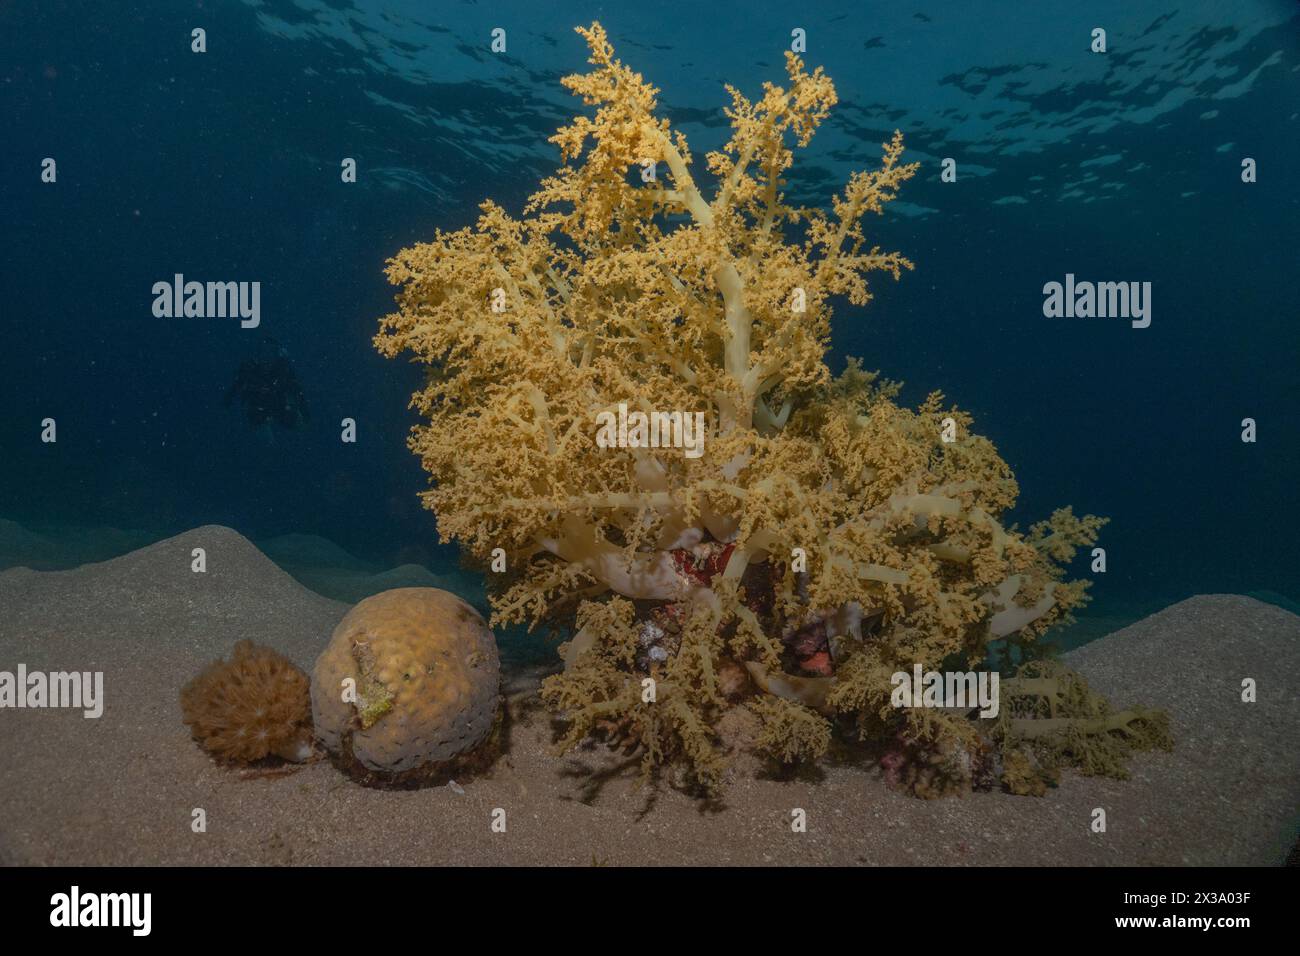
269 391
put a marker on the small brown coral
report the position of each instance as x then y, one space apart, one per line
256 705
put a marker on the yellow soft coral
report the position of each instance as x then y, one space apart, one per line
819 511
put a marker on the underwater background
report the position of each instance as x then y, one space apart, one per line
225 166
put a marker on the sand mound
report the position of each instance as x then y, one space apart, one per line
351 586
121 789
64 546
20 547
311 550
1234 777
329 570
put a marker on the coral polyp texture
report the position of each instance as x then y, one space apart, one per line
407 690
254 706
823 537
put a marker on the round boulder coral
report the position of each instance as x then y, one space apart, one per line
408 688
254 706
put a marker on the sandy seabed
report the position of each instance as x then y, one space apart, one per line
122 789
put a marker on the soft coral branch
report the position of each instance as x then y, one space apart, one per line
824 529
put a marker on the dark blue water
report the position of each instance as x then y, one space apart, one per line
1120 166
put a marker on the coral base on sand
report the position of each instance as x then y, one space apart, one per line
460 768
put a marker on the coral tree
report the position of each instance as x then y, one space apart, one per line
826 537
254 706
